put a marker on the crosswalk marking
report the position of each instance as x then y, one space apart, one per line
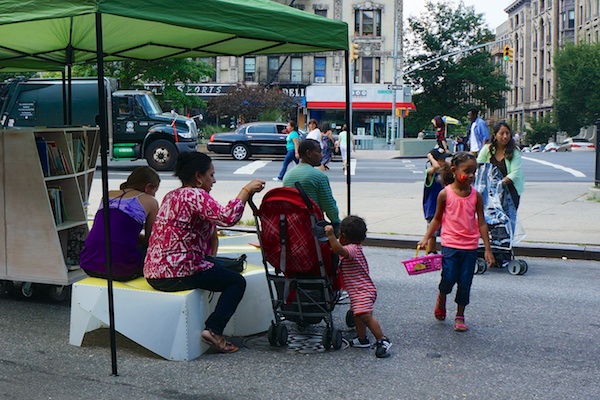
574 172
251 168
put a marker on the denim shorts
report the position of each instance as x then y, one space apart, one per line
458 267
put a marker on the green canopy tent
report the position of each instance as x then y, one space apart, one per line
41 35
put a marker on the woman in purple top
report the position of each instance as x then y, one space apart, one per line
132 208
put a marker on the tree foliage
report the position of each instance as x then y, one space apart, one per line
577 100
452 85
541 129
253 102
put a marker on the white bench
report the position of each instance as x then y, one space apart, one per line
168 324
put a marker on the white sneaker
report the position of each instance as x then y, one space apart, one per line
276 179
360 343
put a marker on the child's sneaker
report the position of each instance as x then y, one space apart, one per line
383 346
361 343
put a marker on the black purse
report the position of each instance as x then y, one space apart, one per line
233 264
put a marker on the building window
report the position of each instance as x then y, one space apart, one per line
249 69
273 69
296 69
367 70
322 13
320 65
571 19
367 22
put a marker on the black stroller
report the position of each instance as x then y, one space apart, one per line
501 218
303 283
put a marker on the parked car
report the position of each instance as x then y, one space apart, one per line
551 147
576 144
252 138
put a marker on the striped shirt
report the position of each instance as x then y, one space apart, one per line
357 281
316 185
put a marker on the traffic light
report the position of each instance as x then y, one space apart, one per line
508 53
353 52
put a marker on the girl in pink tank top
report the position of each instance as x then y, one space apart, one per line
459 211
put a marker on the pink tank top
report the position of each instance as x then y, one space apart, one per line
459 221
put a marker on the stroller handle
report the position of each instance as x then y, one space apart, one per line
251 203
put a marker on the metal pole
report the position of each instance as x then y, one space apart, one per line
348 122
597 174
102 112
393 132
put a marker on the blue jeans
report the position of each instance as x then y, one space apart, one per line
289 157
216 279
457 268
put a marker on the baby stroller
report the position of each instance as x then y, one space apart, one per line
298 264
501 217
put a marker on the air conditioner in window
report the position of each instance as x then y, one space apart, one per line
319 79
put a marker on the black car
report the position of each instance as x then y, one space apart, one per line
252 138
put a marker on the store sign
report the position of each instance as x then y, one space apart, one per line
193 89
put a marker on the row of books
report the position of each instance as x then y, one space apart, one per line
55 162
57 203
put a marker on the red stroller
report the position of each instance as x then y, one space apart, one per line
298 264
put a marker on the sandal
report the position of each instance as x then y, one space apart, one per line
439 313
459 324
221 344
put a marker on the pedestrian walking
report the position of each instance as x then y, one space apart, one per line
292 141
460 211
358 283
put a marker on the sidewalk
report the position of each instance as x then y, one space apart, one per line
559 219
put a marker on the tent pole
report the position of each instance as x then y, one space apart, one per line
349 124
105 204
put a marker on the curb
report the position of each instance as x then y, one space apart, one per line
542 250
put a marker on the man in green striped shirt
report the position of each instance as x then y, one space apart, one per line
313 180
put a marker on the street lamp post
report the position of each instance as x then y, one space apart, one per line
398 15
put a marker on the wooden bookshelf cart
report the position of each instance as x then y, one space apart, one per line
43 200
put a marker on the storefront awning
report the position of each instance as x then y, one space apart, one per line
359 105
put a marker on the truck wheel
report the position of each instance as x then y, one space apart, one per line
240 152
161 155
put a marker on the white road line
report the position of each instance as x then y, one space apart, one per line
352 167
574 172
251 168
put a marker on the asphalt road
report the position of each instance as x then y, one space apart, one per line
531 337
537 167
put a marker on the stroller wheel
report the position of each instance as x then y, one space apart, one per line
480 266
524 267
282 335
514 267
326 339
350 319
337 339
272 335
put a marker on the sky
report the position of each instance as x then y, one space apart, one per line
493 10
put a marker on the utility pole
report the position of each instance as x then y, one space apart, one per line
398 24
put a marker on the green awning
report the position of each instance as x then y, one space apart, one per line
49 34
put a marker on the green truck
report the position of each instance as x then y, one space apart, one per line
137 126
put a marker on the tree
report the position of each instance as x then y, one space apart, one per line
252 103
577 100
541 129
453 85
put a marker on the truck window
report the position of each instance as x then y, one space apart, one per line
149 104
122 106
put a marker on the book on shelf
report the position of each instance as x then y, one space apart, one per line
42 148
57 203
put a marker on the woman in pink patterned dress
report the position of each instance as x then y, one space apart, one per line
183 235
